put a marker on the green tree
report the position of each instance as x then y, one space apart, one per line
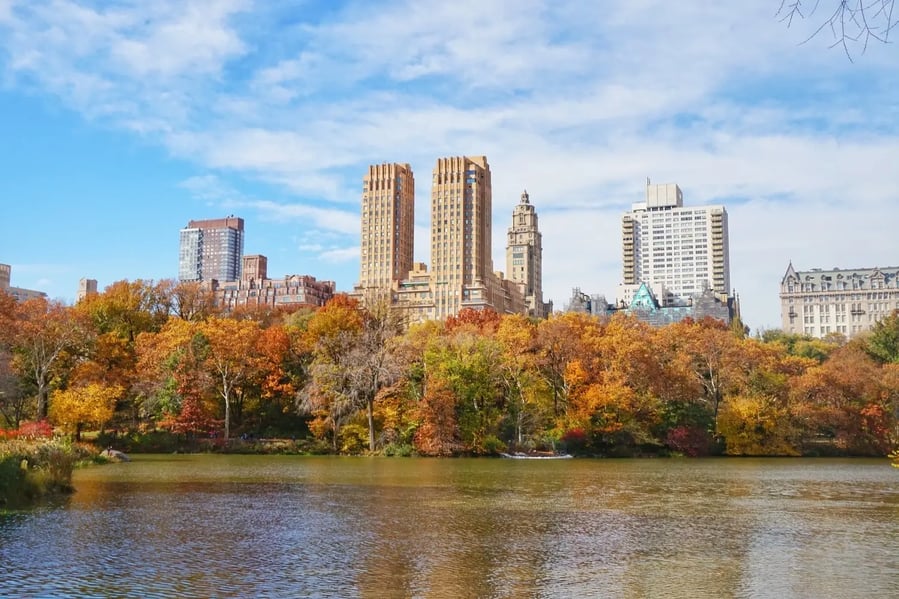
883 341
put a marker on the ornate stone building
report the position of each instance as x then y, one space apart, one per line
255 289
819 302
524 255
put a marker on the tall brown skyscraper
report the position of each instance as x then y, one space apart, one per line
461 214
388 226
211 249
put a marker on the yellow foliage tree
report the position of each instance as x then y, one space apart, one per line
91 404
756 425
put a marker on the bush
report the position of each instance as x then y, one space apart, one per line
31 470
492 445
691 441
400 450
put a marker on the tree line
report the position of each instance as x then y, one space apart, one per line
161 356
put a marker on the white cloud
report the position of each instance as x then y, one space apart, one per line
337 255
578 102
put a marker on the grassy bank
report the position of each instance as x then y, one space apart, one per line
32 470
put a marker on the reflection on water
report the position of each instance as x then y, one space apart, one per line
251 526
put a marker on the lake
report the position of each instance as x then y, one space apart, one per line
291 526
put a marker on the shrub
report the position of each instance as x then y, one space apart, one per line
33 469
691 441
400 450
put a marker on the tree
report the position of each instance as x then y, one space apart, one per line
353 362
331 333
528 399
13 403
189 300
232 358
127 308
850 22
78 406
882 342
41 334
712 355
757 425
558 342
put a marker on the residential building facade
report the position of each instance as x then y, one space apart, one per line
461 273
644 306
388 225
20 294
677 251
255 289
524 255
820 302
211 250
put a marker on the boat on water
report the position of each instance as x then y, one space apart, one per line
536 456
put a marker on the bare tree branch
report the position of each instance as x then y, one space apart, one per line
851 22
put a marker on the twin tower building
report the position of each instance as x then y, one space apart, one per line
461 271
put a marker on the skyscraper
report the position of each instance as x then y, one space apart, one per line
524 254
211 250
678 252
461 215
388 226
461 274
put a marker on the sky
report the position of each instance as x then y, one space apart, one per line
121 121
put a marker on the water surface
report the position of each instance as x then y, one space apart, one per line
288 526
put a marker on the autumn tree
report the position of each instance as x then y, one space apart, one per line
189 300
847 401
328 395
169 370
13 402
557 343
92 404
41 335
528 399
233 358
712 355
127 308
468 365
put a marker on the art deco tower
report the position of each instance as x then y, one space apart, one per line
524 255
388 215
461 205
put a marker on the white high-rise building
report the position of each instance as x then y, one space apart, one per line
679 252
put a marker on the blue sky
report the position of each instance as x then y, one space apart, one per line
120 121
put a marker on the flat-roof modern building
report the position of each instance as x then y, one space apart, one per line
847 301
211 250
678 252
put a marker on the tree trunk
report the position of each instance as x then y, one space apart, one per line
227 416
371 424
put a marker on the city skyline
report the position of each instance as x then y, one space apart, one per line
130 120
